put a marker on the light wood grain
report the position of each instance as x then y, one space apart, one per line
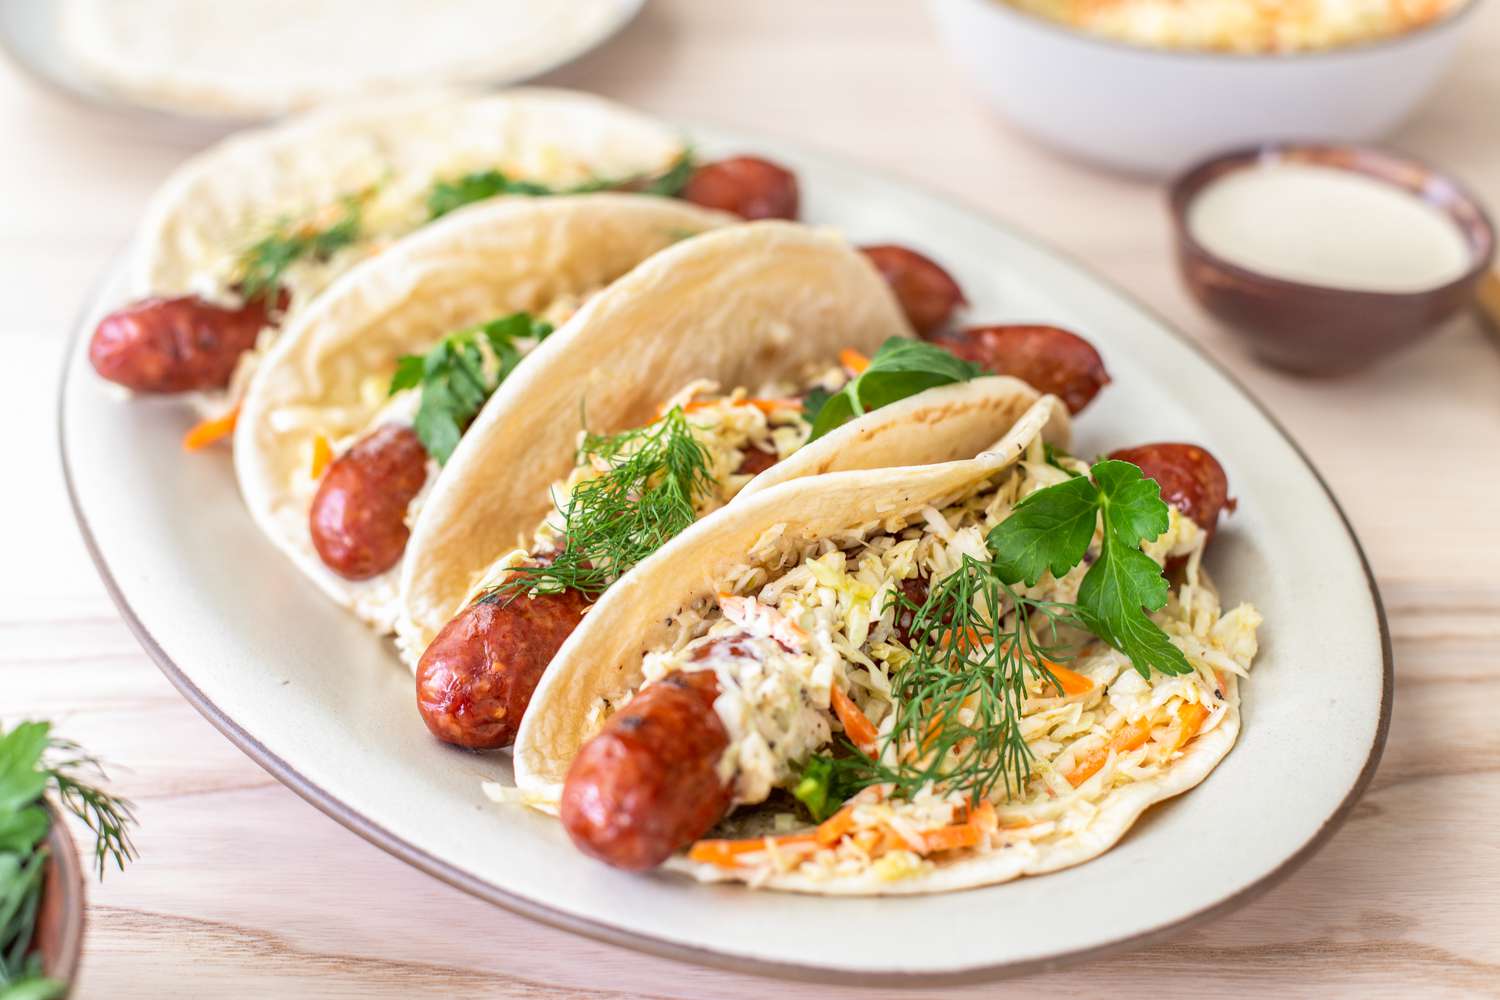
245 890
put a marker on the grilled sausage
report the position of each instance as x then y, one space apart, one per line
1050 359
747 186
175 345
756 461
477 677
358 518
928 295
1191 479
648 784
914 590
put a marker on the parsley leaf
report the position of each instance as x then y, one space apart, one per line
1048 530
670 183
449 196
812 402
262 266
478 185
457 376
902 367
1051 529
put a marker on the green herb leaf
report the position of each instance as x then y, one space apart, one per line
1048 530
611 522
813 401
262 267
31 760
902 367
449 196
458 375
670 183
1051 529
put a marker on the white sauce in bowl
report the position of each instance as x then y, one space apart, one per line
1326 226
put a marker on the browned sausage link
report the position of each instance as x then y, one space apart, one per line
914 590
756 460
649 783
358 518
1049 358
928 294
747 186
1191 479
477 677
175 345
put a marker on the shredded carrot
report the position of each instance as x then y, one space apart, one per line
860 730
1072 683
950 838
833 829
1127 739
727 853
867 840
853 360
766 405
1191 714
983 816
206 432
949 636
322 455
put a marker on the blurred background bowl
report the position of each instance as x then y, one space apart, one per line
1155 110
59 926
1316 329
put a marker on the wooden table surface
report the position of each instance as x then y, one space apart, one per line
245 890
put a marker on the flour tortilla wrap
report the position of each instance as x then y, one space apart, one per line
330 366
602 658
740 306
222 201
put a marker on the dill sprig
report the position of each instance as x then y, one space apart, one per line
31 761
977 647
644 498
263 265
108 816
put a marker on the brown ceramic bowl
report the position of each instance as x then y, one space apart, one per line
59 925
1314 328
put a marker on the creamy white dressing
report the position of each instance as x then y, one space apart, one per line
1330 227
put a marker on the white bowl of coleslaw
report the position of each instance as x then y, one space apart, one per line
1153 97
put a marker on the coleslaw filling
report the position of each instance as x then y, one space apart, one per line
728 425
822 618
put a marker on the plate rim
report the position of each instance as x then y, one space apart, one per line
658 947
102 98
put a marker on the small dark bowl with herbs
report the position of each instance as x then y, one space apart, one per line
43 777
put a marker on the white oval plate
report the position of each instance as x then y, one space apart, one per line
326 707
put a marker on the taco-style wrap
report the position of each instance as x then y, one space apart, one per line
245 235
734 361
369 390
900 681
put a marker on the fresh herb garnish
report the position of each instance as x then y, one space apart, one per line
31 761
978 645
449 196
827 782
670 183
460 373
479 185
262 266
902 367
1051 530
641 501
